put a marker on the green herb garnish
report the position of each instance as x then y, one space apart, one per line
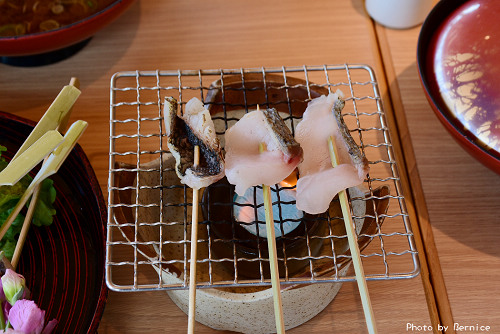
10 195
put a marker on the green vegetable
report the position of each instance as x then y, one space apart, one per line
8 242
44 210
10 195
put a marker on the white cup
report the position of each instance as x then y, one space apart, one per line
399 14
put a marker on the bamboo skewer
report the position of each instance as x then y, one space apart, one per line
273 258
353 246
34 198
49 168
194 247
26 225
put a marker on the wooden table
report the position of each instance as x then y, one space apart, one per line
461 195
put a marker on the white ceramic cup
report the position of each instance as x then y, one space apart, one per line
399 14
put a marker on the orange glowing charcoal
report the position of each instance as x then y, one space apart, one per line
290 181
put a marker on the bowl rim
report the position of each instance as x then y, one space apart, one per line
67 35
64 27
429 32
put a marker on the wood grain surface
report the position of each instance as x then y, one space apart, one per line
462 197
169 35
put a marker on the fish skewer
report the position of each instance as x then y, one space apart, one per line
327 143
353 246
261 140
192 140
273 258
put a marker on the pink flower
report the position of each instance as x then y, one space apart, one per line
26 317
50 326
10 331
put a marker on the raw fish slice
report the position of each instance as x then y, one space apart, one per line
193 127
319 182
246 166
316 191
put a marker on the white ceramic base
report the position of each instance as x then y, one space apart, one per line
253 312
249 310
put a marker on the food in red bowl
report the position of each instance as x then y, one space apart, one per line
458 58
32 27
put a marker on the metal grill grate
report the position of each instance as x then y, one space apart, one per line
149 210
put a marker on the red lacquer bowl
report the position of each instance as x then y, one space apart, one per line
458 58
65 36
63 263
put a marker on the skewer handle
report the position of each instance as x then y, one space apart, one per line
192 267
273 261
273 257
26 226
353 246
194 249
358 267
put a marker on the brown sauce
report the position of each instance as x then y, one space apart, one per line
21 17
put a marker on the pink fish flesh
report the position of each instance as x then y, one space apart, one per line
246 166
319 182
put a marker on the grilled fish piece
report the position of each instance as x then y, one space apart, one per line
185 130
319 182
246 166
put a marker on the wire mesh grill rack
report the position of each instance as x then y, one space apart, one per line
149 209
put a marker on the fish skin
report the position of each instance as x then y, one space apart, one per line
181 139
357 156
292 152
